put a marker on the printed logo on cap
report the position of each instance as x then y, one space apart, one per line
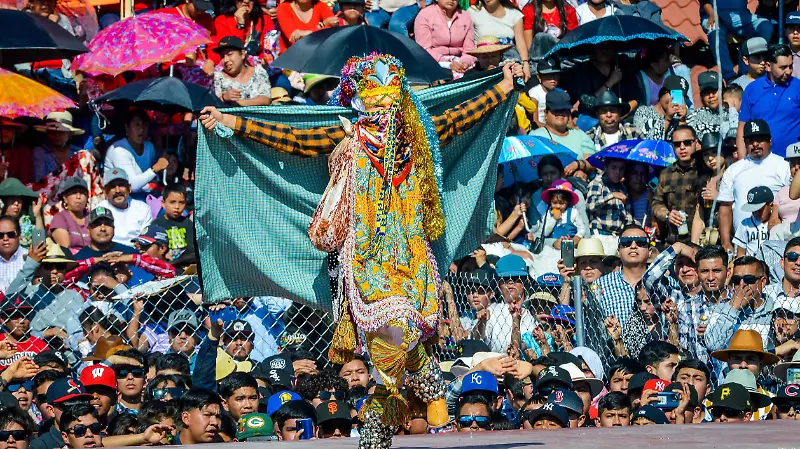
660 385
793 150
548 406
683 83
273 374
238 326
98 372
476 378
724 393
750 197
551 370
550 277
559 396
277 364
285 397
792 390
754 127
255 422
333 407
73 387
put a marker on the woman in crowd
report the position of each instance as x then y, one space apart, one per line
136 154
299 18
656 121
17 161
240 84
500 18
70 227
56 150
247 20
445 31
553 17
711 169
656 65
19 426
23 204
639 196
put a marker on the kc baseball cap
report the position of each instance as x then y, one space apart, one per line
757 45
757 198
277 400
255 427
99 375
480 382
65 389
756 127
652 413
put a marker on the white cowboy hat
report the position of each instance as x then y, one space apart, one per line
59 121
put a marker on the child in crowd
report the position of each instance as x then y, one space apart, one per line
561 220
351 12
753 231
549 73
606 202
180 230
732 97
754 55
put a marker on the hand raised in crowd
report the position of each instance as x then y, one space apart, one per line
161 164
498 366
304 367
685 396
613 327
482 314
561 338
670 311
510 71
565 271
55 332
37 206
540 336
21 369
38 252
678 110
118 257
156 433
614 77
7 349
217 327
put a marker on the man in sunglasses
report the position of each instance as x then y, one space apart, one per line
81 428
473 414
504 317
730 403
333 420
130 367
783 295
675 200
62 394
11 253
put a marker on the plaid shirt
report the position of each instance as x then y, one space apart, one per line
9 268
322 140
724 320
607 214
626 132
677 189
617 296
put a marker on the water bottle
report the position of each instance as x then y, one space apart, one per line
683 229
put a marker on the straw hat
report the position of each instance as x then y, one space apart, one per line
488 44
279 95
59 121
747 341
312 80
55 254
590 247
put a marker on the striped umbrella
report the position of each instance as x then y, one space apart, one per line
521 155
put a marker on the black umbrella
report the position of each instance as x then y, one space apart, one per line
325 52
27 37
629 33
163 94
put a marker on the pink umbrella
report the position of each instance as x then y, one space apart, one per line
138 42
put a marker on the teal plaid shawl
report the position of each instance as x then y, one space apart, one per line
253 204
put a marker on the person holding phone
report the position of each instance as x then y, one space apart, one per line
659 120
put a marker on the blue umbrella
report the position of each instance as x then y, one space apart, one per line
630 33
656 153
521 155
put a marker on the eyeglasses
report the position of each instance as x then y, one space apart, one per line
467 420
123 371
80 430
161 393
748 279
685 143
717 412
792 256
626 242
9 234
19 435
327 395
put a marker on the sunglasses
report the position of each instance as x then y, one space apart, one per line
9 234
49 266
717 412
19 435
467 420
626 242
680 143
328 395
27 385
161 393
80 430
123 371
792 256
748 279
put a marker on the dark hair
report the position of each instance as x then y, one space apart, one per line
296 409
301 354
539 25
552 161
473 399
197 398
92 315
73 413
152 412
515 386
227 425
615 400
134 113
693 364
750 260
655 352
12 415
709 252
135 354
791 244
309 387
235 381
685 128
626 365
777 51
733 89
12 220
174 188
101 268
48 375
630 226
122 423
228 8
174 361
154 384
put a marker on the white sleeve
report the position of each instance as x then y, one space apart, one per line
578 222
726 188
786 176
118 157
740 238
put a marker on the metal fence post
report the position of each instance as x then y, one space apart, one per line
577 299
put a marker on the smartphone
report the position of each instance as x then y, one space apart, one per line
677 96
793 376
308 428
37 236
568 253
226 314
667 400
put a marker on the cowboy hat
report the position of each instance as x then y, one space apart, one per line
589 247
312 80
746 341
279 95
55 254
780 369
488 44
59 121
6 122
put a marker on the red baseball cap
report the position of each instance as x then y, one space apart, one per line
99 375
653 384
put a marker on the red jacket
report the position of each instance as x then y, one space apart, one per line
226 26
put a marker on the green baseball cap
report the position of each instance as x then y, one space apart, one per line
255 427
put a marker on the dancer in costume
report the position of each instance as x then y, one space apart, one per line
380 212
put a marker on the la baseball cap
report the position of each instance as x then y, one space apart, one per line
277 400
652 413
756 127
99 375
757 198
65 389
255 427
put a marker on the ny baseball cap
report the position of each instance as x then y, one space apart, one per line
757 198
152 234
181 319
555 377
551 410
756 127
638 380
758 45
732 396
65 389
99 375
99 213
652 413
115 174
255 427
479 381
548 66
333 411
277 400
658 385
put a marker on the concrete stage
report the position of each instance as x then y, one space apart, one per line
772 434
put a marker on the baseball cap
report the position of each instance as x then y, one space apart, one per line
788 393
554 375
482 277
229 42
511 265
71 183
279 377
468 347
638 380
100 212
479 381
255 427
333 411
548 66
182 318
756 127
238 327
65 389
757 45
277 361
45 358
551 410
746 379
203 5
659 385
708 80
675 82
757 198
115 174
567 399
557 100
277 400
793 150
652 413
732 396
99 375
152 234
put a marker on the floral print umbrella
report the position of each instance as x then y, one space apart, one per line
24 97
138 42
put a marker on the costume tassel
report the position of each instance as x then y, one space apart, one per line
344 342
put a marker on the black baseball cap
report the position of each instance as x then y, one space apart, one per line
552 410
278 377
468 347
756 127
557 100
554 376
332 411
352 2
236 327
227 42
638 380
757 198
65 389
203 5
567 399
481 277
45 358
548 66
732 396
709 80
99 213
675 82
652 413
788 393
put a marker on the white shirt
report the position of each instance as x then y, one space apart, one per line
586 16
772 171
9 268
121 155
499 326
129 223
486 24
537 93
750 235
